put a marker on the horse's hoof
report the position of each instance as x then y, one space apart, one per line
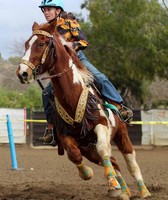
145 194
114 193
124 197
86 173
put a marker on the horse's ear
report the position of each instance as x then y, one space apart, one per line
35 26
53 25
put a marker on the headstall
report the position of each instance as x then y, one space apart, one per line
45 53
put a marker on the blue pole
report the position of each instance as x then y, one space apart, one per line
11 143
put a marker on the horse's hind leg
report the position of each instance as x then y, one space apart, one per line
74 154
135 171
104 150
126 194
125 146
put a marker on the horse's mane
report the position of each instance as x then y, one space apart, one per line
85 73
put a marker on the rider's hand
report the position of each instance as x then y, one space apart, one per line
69 44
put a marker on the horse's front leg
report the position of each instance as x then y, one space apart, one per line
104 149
74 154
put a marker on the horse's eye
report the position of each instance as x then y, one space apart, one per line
41 44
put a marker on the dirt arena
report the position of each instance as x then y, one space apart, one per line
42 174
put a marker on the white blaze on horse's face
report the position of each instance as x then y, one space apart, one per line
28 52
23 67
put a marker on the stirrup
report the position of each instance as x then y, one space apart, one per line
127 114
48 132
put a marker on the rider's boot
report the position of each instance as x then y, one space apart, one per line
125 112
48 137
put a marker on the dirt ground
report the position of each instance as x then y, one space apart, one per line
42 174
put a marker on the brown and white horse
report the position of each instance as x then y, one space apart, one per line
83 127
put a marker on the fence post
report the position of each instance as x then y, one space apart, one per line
11 144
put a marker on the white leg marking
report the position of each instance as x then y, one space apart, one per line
132 165
103 140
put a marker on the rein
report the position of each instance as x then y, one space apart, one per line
55 75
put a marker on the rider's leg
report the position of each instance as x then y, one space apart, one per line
48 98
106 88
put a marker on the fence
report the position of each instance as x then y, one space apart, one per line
17 117
149 127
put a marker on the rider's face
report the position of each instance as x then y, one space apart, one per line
50 13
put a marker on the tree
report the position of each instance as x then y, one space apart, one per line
165 4
128 42
31 98
17 48
14 60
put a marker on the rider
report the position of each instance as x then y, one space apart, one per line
68 26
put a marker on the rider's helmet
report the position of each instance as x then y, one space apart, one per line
52 3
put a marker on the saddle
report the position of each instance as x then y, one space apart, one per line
124 113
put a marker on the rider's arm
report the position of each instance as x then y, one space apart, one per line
79 41
72 33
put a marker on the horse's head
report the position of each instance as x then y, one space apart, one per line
37 48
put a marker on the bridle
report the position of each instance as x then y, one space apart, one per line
43 59
45 53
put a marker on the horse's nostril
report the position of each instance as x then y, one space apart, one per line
24 75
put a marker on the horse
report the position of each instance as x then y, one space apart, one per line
83 127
